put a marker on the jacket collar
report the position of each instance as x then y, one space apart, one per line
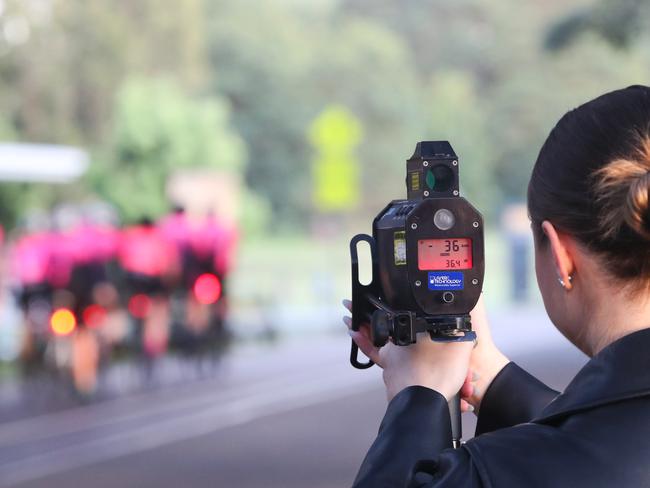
620 371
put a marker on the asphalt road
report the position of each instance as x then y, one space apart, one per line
289 415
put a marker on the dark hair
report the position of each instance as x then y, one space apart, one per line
592 181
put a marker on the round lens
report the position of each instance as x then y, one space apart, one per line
440 178
444 219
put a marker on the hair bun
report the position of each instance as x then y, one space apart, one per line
637 206
623 192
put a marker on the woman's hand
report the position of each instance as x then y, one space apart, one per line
440 366
485 363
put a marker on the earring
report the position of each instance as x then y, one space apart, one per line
562 281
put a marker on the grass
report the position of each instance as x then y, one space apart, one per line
304 272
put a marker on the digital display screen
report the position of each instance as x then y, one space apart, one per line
442 254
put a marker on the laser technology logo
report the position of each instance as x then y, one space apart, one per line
446 280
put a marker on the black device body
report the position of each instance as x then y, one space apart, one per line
427 261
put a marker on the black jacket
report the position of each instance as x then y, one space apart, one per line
595 434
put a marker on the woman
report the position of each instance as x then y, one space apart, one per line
588 200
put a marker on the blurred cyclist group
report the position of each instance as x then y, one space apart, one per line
90 291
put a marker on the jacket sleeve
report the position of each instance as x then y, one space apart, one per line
514 397
416 427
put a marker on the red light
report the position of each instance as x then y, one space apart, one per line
63 322
139 305
94 315
207 289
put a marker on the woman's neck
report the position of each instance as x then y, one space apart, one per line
614 315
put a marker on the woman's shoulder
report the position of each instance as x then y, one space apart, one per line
604 446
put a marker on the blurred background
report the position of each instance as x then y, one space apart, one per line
179 182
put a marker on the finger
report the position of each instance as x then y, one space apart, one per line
347 321
365 330
467 388
348 304
366 346
465 406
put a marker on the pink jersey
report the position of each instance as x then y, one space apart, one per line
207 238
176 229
61 259
143 250
30 259
215 241
92 243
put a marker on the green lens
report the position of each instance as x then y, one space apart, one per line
430 179
440 178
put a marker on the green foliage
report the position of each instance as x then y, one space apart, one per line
7 131
61 76
149 89
157 124
285 67
258 61
369 69
616 21
256 215
11 203
459 115
59 73
157 129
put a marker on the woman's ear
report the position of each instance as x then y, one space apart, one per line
562 251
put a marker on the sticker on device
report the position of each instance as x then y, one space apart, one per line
446 280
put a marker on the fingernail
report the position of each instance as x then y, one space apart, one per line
470 408
475 376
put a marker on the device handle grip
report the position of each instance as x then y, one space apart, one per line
354 359
360 310
354 259
456 424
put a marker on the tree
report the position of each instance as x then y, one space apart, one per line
67 58
158 128
285 67
616 21
459 116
